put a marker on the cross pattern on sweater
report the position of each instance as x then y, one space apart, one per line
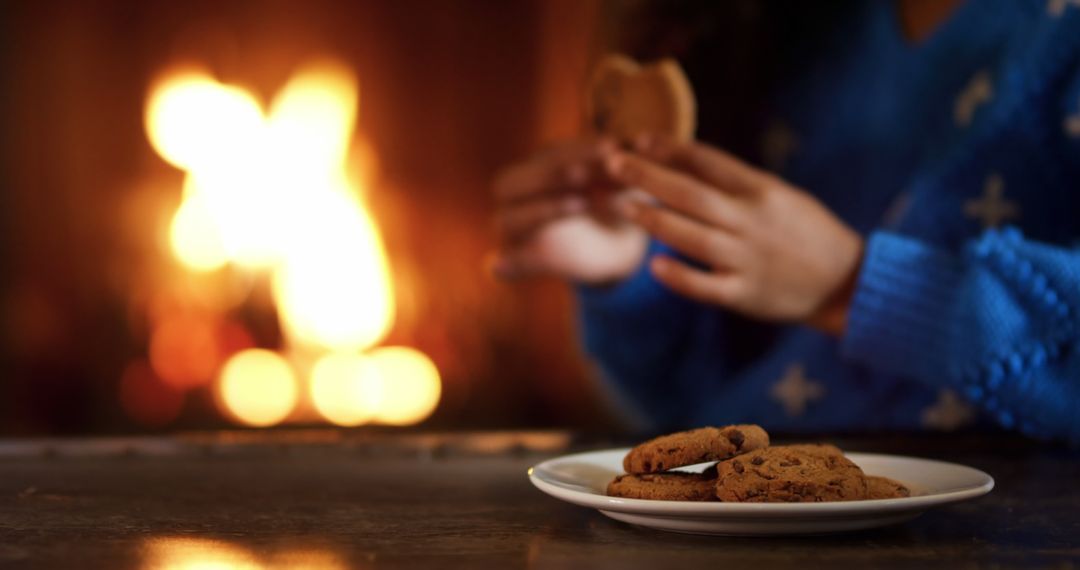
992 209
948 413
794 391
977 92
1057 7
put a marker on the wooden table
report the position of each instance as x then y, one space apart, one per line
331 499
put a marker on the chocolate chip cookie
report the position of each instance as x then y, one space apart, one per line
885 488
694 446
791 473
670 486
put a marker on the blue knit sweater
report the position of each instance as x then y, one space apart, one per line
958 159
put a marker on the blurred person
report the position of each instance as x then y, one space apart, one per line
910 261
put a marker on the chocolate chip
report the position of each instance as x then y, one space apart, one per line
737 438
758 460
737 466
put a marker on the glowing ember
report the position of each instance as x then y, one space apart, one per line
184 350
196 554
258 387
182 553
392 385
346 389
194 237
410 385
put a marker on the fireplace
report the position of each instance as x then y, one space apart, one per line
254 214
273 198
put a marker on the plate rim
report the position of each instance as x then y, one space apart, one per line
786 510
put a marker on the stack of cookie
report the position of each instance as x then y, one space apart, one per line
745 469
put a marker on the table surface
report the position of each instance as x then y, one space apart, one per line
334 499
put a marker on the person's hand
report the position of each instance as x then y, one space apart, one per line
768 250
556 215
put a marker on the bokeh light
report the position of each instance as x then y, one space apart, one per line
270 192
179 553
410 384
184 350
194 236
191 119
183 553
311 121
333 288
346 389
278 197
391 385
307 559
258 387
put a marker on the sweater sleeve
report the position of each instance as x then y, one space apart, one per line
654 348
997 322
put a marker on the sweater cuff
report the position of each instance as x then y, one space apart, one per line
902 307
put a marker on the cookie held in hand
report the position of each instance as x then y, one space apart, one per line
626 99
695 446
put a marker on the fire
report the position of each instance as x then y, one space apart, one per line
258 387
196 554
189 106
410 385
194 237
183 553
183 350
346 389
267 190
392 385
333 285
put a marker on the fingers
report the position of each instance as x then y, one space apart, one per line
706 287
676 190
519 219
564 167
690 237
711 164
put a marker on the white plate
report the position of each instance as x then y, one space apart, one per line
582 479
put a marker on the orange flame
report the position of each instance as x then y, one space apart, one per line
267 189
